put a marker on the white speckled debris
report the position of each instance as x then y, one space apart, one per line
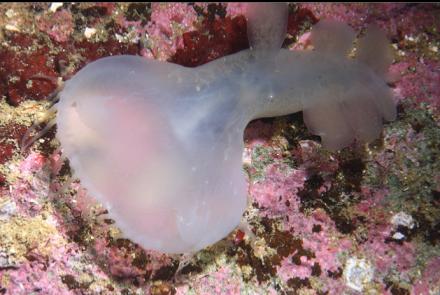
358 273
403 219
89 32
7 209
55 5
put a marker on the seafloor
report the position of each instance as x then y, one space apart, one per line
363 220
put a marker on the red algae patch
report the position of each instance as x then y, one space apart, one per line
218 36
25 75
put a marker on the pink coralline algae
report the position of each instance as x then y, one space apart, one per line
168 22
58 25
426 73
363 220
430 281
277 195
319 242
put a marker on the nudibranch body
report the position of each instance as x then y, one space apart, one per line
181 187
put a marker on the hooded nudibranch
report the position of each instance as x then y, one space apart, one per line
160 145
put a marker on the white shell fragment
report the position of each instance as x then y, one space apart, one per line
358 273
403 219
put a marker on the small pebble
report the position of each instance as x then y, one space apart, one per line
358 273
54 6
7 209
89 32
403 219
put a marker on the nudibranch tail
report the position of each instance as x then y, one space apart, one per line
332 37
356 110
374 50
266 27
